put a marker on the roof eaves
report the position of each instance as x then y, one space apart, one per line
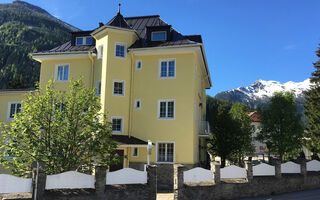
102 28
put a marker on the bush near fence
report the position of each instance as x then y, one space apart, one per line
122 184
261 179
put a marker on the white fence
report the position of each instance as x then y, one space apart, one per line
69 180
233 172
313 165
126 176
13 184
198 174
290 168
264 170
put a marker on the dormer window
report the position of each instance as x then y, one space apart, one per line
159 36
87 40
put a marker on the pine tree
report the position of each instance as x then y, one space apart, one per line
312 109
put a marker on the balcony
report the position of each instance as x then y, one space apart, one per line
204 129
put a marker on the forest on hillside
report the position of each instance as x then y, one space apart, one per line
23 31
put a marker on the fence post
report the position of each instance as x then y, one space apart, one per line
278 168
100 179
152 181
249 170
38 180
215 168
178 181
303 167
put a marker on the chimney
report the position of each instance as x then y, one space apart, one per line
100 24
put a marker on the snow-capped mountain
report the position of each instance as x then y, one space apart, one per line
260 91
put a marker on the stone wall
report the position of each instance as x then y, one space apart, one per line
101 191
253 186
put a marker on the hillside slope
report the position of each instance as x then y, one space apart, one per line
25 28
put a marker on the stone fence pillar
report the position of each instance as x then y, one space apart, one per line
249 170
278 168
303 167
215 168
178 181
38 180
152 181
100 179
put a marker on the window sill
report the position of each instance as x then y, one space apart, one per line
167 77
123 58
118 95
117 132
164 162
166 118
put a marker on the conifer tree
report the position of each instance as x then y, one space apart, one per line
312 109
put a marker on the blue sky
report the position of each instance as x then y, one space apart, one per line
245 40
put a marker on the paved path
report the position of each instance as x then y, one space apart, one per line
303 195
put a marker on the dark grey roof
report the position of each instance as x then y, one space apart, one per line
140 25
67 47
118 21
125 139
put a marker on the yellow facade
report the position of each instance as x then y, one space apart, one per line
186 89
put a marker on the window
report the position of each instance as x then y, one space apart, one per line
159 36
166 109
120 50
62 72
84 41
137 104
117 124
98 88
100 52
165 152
118 88
13 108
138 64
135 152
167 68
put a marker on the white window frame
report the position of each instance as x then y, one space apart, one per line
137 61
124 87
132 152
174 109
125 50
175 68
9 108
135 104
56 72
122 119
158 32
97 88
100 52
157 151
84 39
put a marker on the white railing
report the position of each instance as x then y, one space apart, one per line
69 180
13 184
126 176
313 165
233 172
290 168
263 170
197 174
204 128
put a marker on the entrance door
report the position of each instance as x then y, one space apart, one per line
120 154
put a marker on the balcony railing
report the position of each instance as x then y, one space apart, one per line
204 128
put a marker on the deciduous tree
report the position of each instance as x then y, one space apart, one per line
282 129
76 136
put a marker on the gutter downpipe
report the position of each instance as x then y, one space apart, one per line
92 68
131 97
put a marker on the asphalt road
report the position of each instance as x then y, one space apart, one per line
304 195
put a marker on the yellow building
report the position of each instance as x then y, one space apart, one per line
152 83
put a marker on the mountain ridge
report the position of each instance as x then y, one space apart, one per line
258 93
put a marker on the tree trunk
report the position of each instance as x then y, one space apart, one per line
223 162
